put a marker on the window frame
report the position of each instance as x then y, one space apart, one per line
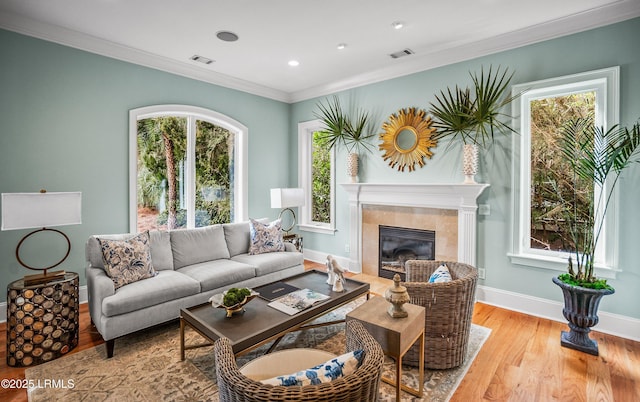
192 113
305 147
606 84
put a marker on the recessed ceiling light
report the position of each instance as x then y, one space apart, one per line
342 46
294 63
227 36
397 25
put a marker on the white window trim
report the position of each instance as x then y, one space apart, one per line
305 138
193 113
606 83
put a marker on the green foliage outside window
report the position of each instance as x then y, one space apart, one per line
162 152
320 179
552 179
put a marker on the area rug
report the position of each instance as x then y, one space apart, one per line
147 367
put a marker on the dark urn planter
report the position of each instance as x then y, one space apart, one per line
581 310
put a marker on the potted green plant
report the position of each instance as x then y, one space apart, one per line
597 158
351 132
473 116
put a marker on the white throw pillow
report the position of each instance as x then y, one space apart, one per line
441 274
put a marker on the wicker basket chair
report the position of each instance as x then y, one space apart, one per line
449 309
362 385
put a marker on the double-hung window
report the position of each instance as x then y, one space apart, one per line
540 236
316 176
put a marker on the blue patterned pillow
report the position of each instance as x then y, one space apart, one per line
266 238
127 261
328 371
441 274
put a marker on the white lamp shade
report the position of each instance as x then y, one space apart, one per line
287 197
39 210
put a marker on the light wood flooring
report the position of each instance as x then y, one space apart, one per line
521 361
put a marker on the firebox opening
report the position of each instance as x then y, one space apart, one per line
398 244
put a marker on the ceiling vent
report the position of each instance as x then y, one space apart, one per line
201 59
402 53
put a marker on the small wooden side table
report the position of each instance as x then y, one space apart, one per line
42 320
395 335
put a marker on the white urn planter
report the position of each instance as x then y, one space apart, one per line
352 167
470 163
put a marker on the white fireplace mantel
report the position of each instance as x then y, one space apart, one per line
460 197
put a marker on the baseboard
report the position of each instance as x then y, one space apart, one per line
609 323
321 258
83 296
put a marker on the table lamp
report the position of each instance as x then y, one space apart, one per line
287 198
41 210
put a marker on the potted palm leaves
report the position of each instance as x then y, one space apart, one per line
597 158
351 132
473 115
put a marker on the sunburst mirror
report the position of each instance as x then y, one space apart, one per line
407 139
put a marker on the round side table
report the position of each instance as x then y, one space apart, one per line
42 320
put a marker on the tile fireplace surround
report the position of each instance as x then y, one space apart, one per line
460 198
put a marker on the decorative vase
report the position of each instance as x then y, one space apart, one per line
581 310
352 167
469 163
397 295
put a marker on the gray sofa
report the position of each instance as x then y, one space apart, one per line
192 265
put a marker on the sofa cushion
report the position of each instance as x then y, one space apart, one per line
192 246
127 261
271 262
160 249
218 273
266 238
166 286
238 236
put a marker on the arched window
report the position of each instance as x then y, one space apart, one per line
187 168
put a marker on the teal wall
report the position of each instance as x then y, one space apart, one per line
64 127
600 48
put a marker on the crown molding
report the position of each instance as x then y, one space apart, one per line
424 60
92 44
421 61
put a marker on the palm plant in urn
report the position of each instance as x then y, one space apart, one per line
473 116
340 129
596 158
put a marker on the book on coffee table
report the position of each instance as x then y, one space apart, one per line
297 301
276 290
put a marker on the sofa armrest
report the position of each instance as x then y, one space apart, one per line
289 247
99 287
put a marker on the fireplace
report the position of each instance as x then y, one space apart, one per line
399 244
461 199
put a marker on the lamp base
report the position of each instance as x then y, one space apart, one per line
42 278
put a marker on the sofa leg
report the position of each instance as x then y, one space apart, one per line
110 344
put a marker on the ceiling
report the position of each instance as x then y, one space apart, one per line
165 34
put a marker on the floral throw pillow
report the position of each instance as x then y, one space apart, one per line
127 261
266 238
441 274
328 371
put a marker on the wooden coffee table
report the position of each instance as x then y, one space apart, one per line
260 323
